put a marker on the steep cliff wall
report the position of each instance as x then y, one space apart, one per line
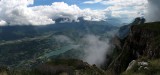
142 41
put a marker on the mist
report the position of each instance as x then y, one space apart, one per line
153 11
63 39
95 49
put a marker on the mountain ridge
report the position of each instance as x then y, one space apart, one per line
142 41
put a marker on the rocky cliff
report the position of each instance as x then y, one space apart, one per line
143 41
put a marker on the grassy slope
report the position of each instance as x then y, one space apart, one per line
58 67
153 68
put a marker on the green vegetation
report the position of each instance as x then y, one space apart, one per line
153 68
58 67
151 26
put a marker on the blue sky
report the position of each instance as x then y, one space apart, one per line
70 2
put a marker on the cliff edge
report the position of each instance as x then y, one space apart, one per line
142 44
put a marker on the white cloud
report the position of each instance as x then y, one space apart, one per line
125 2
73 12
2 23
92 1
122 8
94 15
153 11
130 8
63 39
95 49
59 10
18 12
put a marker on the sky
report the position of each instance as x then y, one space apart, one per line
80 3
43 12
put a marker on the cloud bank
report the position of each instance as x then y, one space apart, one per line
122 9
153 11
95 49
19 12
126 8
92 1
63 39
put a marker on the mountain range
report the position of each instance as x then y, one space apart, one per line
58 49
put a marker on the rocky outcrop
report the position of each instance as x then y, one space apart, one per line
142 41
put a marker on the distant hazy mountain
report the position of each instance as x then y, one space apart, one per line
84 27
21 45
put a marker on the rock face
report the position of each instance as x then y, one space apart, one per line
124 31
131 64
142 41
